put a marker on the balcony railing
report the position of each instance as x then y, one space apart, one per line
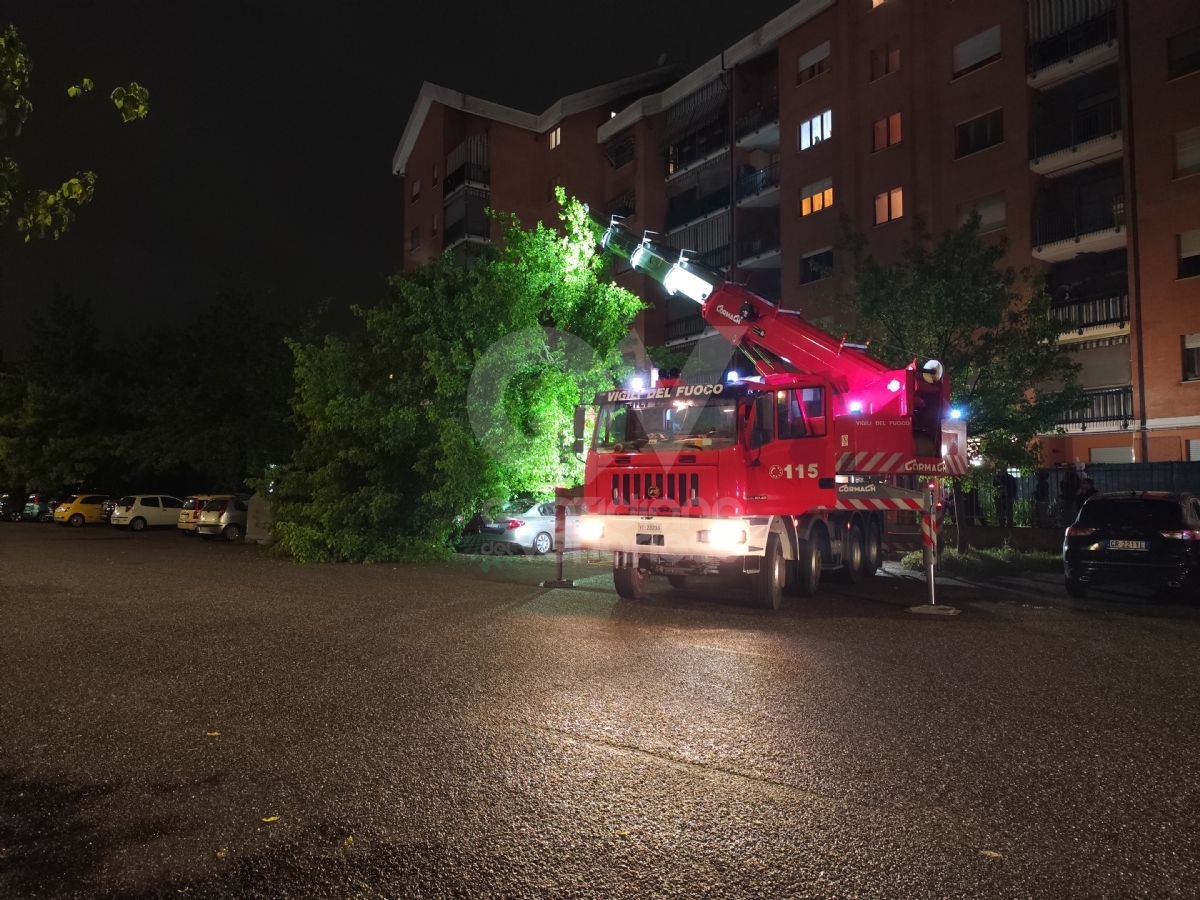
763 114
683 210
1067 44
620 151
467 173
1106 214
706 140
465 229
1102 120
1084 313
686 327
764 240
1105 406
756 182
621 207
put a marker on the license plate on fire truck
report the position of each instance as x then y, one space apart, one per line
649 528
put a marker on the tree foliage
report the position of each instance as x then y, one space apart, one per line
953 301
461 391
45 211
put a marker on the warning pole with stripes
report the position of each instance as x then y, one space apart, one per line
929 549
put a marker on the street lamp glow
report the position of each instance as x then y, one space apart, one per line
690 285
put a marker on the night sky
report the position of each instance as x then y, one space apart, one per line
268 148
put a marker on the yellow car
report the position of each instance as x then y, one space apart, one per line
80 509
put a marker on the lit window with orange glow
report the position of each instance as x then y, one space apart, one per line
816 197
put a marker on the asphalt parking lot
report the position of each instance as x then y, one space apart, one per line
186 718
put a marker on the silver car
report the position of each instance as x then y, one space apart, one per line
224 517
531 526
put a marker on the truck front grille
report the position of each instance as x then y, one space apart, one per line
643 488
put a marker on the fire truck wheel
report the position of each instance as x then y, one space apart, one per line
766 585
806 570
679 582
852 563
630 582
873 555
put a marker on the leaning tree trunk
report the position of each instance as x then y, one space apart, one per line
959 520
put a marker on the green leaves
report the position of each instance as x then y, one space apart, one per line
76 89
132 102
52 210
14 80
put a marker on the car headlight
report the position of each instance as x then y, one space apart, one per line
724 534
591 530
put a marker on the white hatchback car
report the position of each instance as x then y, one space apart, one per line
531 526
140 511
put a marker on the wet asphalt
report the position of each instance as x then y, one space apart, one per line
180 718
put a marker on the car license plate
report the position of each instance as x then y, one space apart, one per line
1126 545
649 528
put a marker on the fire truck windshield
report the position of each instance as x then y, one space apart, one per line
709 424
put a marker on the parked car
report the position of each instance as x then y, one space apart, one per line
189 516
11 507
80 509
141 511
106 509
39 508
1138 537
531 526
224 517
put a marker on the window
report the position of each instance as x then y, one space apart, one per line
1189 253
1191 357
817 265
975 53
875 3
1183 54
992 214
816 196
1100 455
555 137
763 429
889 205
801 412
818 128
149 501
414 239
887 132
92 501
1187 152
813 63
172 503
979 134
239 506
885 59
555 182
433 227
1193 450
435 174
416 190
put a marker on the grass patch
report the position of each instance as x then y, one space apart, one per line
973 563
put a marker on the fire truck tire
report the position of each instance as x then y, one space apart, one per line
766 585
679 582
873 551
630 582
853 562
805 572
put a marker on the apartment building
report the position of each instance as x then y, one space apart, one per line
1072 126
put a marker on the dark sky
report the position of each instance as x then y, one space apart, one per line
268 148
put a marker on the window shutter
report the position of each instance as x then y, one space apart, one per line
814 56
1111 454
1187 150
1189 243
817 187
975 50
1191 341
1193 451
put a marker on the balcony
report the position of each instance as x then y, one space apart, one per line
704 144
1093 318
759 129
1076 51
759 189
1091 227
467 175
1106 409
467 229
760 249
686 210
621 207
686 328
620 152
1089 138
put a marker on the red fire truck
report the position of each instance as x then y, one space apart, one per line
780 475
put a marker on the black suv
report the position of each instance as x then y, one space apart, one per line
1142 537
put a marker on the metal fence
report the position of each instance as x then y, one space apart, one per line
1101 120
1055 502
1100 30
